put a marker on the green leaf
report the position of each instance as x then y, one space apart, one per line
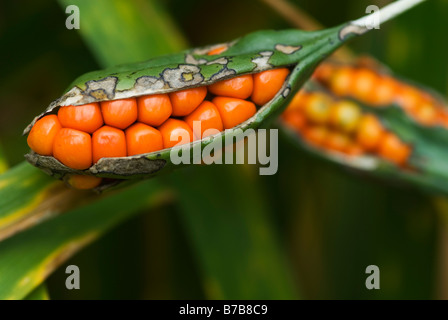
29 197
144 30
3 161
29 257
40 293
339 223
236 244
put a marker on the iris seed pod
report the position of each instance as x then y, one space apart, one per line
399 133
119 91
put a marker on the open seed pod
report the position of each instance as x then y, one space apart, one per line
69 148
364 117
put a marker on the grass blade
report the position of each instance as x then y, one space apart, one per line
29 197
3 161
126 31
233 237
40 293
29 257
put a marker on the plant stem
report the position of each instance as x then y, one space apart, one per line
387 13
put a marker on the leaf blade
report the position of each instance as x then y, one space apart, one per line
49 244
235 242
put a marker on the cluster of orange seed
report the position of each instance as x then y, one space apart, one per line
341 126
376 89
79 136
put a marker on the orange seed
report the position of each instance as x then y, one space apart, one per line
176 132
295 120
267 84
141 138
108 142
43 133
369 132
234 111
119 113
315 134
364 85
185 101
83 182
384 92
154 109
217 50
85 118
394 150
73 148
299 101
336 141
209 118
239 87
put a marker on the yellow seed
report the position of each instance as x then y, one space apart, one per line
317 108
345 115
341 82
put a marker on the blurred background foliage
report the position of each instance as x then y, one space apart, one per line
307 232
